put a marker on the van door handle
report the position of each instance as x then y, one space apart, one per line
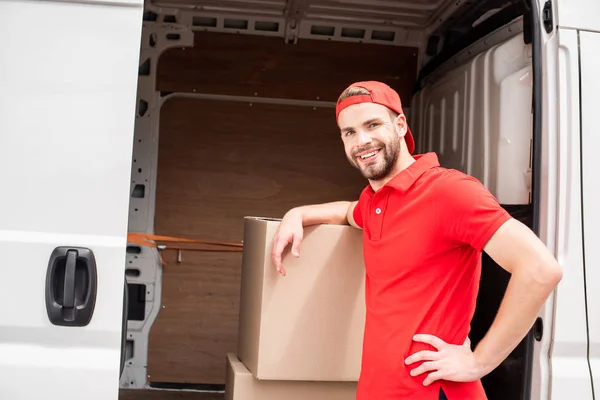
71 286
69 289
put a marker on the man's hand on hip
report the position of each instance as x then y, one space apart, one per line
450 362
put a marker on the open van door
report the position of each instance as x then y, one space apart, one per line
68 79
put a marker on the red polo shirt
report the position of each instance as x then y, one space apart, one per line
423 234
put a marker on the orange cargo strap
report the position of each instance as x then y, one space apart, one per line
151 240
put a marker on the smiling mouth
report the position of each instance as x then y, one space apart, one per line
368 156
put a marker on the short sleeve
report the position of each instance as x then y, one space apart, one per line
466 211
359 209
357 214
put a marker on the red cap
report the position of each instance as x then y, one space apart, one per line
380 94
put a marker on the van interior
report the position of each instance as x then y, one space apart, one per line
235 117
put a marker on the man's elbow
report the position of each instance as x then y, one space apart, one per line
553 274
548 274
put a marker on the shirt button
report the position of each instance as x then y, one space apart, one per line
378 210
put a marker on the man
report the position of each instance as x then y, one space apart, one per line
424 228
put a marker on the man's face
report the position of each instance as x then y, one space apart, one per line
371 139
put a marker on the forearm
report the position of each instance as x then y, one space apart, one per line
334 213
525 295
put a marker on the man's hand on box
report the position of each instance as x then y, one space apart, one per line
291 231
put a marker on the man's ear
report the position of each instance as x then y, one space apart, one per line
401 125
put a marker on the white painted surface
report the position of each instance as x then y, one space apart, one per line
548 208
477 118
66 120
141 209
590 105
569 367
577 14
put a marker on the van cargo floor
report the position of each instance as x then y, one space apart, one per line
139 394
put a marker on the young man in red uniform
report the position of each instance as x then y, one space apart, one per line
424 228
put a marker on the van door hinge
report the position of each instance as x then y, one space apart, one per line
547 16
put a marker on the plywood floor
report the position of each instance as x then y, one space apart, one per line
167 395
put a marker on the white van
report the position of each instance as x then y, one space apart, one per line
504 90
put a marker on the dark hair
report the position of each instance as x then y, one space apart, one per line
353 91
357 91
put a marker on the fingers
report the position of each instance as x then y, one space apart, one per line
430 339
279 244
425 367
432 377
296 245
422 356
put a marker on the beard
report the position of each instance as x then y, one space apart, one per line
385 162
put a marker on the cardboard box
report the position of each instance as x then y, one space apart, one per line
240 384
307 325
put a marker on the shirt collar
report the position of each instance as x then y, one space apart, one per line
405 178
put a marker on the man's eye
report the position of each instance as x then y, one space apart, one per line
373 125
348 133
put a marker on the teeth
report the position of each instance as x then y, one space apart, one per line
368 155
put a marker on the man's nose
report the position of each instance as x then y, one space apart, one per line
363 138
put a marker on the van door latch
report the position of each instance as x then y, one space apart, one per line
547 18
71 286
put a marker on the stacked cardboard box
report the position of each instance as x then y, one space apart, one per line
300 336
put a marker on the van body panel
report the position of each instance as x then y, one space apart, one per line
568 362
477 119
577 14
548 170
68 77
590 166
